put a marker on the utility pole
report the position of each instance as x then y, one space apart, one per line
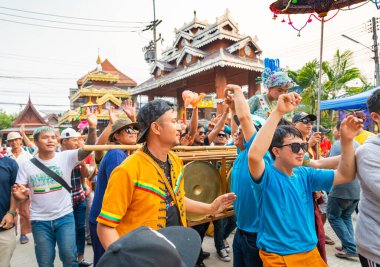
376 49
151 49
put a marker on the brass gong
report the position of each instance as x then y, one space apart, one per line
202 183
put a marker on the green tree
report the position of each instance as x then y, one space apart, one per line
338 73
307 78
5 119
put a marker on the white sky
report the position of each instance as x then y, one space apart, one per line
44 52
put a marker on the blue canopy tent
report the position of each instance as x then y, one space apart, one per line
357 101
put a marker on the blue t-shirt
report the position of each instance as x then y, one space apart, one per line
245 205
286 212
110 161
8 173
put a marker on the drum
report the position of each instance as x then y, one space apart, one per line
202 183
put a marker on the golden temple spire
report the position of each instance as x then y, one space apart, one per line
99 62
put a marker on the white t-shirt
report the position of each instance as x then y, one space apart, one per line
50 200
22 157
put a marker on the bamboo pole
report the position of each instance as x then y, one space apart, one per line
176 148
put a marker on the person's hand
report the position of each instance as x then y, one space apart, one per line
129 109
7 221
350 127
231 89
287 103
113 116
226 108
222 202
22 129
229 100
20 192
92 118
314 139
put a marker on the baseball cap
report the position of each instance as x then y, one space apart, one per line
149 113
120 124
173 246
69 133
303 115
13 135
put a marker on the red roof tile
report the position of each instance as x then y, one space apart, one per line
124 80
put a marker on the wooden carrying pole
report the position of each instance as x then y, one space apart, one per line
176 148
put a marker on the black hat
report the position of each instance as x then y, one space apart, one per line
321 129
174 246
303 115
149 113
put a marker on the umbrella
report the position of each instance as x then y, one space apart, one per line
321 7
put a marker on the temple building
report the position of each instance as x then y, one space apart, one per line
31 119
205 58
99 89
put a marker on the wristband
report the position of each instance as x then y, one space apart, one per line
12 212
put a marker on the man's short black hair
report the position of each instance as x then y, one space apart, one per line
373 102
282 132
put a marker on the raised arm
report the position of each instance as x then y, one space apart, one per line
193 122
350 127
286 103
130 110
103 138
91 138
241 110
219 126
325 163
25 138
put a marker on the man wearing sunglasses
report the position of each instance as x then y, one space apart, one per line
124 132
304 123
284 188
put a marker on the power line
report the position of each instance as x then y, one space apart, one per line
63 28
73 23
45 105
79 18
34 78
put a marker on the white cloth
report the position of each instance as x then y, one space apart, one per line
7 246
50 200
22 157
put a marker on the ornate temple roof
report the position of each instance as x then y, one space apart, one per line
200 46
107 73
220 58
29 116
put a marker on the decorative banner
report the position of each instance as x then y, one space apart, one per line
207 103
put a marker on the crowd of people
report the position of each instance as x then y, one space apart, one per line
284 186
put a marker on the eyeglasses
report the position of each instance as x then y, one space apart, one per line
296 147
201 133
130 130
221 135
306 121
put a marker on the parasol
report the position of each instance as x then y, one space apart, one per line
321 7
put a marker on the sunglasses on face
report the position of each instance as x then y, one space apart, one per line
306 121
221 135
296 147
201 133
130 130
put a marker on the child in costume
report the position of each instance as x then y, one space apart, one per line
277 81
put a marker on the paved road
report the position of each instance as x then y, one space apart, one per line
24 254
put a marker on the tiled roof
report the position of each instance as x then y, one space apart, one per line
220 58
124 80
